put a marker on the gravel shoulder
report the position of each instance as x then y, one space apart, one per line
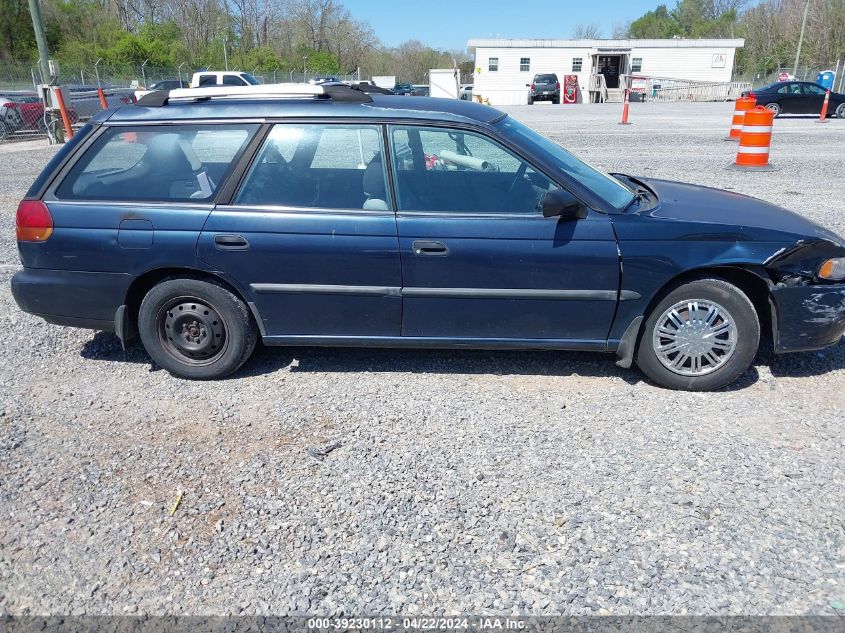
465 482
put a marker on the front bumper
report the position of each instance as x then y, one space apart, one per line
807 317
71 297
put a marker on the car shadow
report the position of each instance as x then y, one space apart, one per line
105 346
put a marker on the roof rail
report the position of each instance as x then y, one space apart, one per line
334 92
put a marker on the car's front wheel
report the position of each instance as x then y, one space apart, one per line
840 111
774 107
196 329
701 336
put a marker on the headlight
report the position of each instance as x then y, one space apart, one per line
833 269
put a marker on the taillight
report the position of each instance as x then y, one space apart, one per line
34 222
557 85
751 95
532 87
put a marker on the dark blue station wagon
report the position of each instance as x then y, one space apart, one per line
202 219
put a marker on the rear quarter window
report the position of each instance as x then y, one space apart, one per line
156 163
59 157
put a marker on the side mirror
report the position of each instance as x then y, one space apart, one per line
560 203
527 85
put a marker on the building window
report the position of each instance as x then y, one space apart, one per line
524 64
576 64
636 64
493 64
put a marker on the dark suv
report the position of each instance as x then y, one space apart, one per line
204 219
545 87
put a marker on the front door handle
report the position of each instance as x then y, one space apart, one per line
426 247
230 242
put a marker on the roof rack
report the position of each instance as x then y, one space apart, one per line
333 92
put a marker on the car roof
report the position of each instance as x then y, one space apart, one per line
381 107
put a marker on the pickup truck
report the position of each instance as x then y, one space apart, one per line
207 78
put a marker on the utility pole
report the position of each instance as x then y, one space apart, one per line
800 38
44 63
41 40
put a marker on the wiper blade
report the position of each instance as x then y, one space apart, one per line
641 195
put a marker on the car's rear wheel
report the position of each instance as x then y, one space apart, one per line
702 335
840 111
196 329
774 107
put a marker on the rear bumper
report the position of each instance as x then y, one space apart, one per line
549 97
808 317
70 297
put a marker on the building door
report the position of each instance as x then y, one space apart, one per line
610 66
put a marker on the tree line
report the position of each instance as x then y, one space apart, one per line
263 35
770 28
322 35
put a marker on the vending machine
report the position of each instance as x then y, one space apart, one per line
570 89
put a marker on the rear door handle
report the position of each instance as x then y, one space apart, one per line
426 247
229 242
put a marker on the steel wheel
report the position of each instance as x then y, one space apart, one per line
192 331
694 337
774 107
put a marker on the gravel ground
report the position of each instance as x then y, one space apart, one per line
460 482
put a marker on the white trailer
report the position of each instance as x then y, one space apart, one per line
385 81
444 82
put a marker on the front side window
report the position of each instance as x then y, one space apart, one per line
156 163
577 62
318 166
456 171
636 64
493 64
603 185
524 64
233 80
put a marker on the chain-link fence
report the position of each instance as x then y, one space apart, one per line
804 73
23 115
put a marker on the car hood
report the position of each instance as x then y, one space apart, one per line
706 205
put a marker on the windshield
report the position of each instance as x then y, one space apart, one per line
250 79
607 187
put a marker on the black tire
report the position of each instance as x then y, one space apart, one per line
738 310
840 111
4 132
556 101
216 333
530 101
774 107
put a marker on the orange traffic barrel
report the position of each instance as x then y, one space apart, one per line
755 140
743 105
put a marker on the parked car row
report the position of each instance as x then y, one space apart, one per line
22 112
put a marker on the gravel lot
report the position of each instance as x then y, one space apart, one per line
464 482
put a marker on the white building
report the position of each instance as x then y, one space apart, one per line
504 67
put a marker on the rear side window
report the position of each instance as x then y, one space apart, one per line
156 163
318 166
208 80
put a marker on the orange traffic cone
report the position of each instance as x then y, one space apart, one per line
624 120
823 115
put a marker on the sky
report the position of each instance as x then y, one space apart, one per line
449 24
